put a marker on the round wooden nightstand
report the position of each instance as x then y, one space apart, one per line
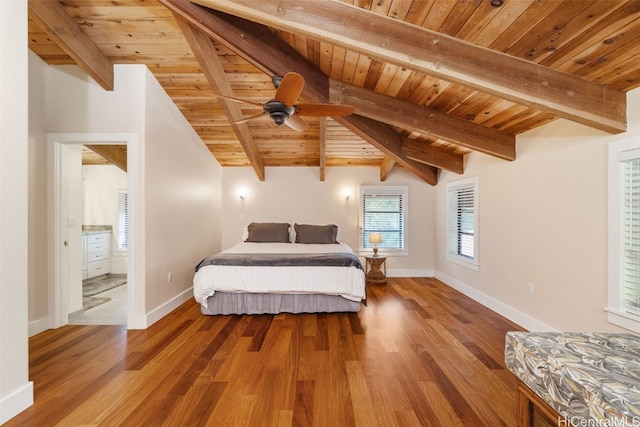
376 269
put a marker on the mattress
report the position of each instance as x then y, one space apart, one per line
344 282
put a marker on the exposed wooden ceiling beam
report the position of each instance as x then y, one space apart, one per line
389 142
253 41
323 146
426 153
51 17
207 57
115 154
385 167
429 121
257 45
439 55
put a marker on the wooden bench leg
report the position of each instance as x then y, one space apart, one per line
527 402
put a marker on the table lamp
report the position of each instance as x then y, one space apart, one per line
375 238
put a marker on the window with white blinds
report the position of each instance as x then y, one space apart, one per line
624 235
630 267
123 221
462 222
383 210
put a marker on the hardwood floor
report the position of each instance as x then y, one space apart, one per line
420 354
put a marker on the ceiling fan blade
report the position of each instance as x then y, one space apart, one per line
244 101
246 119
321 110
297 123
290 88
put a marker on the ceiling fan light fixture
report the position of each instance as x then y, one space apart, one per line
282 109
278 111
497 3
279 117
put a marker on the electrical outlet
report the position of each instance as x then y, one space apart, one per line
169 277
530 288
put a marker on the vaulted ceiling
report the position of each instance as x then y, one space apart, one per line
430 80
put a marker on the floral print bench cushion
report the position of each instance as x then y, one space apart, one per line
592 376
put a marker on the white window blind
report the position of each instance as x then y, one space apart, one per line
384 211
123 221
623 308
462 219
630 260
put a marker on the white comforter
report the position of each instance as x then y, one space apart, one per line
348 282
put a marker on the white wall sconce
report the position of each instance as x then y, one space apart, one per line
346 193
242 193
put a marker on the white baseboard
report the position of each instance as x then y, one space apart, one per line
527 322
133 322
158 313
38 326
12 405
409 273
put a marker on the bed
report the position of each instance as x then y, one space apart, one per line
272 271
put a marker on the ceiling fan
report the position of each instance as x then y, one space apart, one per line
282 109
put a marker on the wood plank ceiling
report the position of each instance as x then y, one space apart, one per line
431 80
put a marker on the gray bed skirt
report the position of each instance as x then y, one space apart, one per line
236 303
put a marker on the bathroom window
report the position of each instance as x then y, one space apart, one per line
123 220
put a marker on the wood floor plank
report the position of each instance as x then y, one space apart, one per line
420 353
390 399
332 404
445 414
198 404
257 329
158 377
99 405
455 398
239 362
412 395
303 407
363 405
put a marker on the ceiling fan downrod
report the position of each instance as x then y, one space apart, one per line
276 80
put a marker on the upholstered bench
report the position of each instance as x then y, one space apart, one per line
576 378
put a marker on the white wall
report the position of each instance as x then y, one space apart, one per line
78 111
16 391
38 293
177 207
296 194
543 220
76 103
71 202
101 187
182 206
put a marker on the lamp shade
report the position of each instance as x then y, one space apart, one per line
375 238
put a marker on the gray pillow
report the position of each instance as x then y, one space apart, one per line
268 232
306 233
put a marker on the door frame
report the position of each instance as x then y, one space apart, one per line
58 287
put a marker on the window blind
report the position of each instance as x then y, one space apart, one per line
462 220
123 221
631 235
383 211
